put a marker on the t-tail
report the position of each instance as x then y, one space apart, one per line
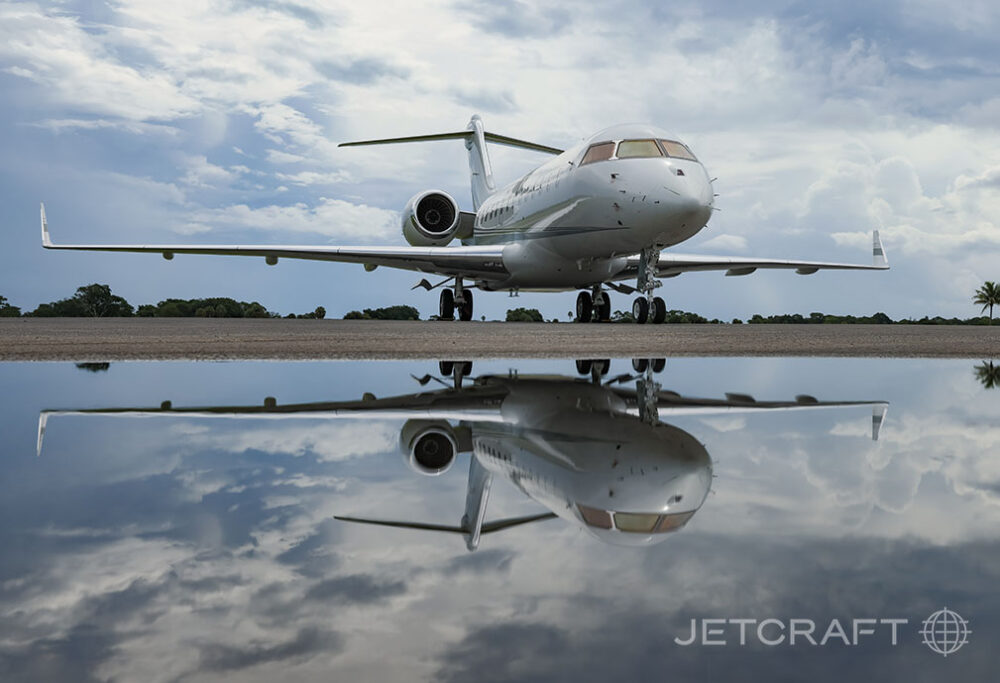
473 526
475 136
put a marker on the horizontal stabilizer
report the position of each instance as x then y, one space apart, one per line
495 138
459 135
488 527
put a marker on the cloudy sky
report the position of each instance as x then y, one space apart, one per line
218 122
183 549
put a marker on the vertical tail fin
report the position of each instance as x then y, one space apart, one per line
475 137
477 492
480 169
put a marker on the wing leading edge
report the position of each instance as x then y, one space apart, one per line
670 265
481 262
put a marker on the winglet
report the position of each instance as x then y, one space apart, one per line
878 252
878 417
46 241
43 419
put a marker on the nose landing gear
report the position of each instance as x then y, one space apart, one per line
648 308
461 299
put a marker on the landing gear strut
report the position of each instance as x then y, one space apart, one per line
649 308
594 306
461 299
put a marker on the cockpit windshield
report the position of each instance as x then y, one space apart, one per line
602 151
634 522
638 149
677 150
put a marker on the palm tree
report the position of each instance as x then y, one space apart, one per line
988 374
988 296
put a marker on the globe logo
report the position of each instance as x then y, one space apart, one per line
945 632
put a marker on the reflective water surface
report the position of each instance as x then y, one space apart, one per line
531 520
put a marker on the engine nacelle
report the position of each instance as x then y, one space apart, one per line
432 219
429 446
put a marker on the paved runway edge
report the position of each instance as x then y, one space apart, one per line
77 339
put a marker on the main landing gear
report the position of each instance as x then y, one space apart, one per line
461 299
594 306
648 308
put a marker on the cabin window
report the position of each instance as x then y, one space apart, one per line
677 150
638 149
602 151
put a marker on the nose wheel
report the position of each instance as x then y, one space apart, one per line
648 308
460 299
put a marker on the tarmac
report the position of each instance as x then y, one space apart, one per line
116 339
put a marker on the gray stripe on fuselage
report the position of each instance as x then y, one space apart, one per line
522 235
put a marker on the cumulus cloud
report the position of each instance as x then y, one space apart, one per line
736 243
821 122
331 217
329 441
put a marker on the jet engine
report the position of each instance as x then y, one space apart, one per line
429 446
432 219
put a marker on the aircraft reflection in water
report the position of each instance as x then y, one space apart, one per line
596 453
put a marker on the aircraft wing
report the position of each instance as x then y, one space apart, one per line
474 262
477 403
671 404
671 265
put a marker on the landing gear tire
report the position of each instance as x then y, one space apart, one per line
584 307
583 366
640 309
602 367
446 305
465 307
464 368
445 367
602 311
640 364
659 312
658 364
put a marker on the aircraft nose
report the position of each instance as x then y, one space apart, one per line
692 191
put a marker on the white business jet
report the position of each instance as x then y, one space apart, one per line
594 216
599 454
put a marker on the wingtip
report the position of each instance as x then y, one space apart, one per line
878 251
43 419
46 240
878 417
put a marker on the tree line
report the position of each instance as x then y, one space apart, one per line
98 301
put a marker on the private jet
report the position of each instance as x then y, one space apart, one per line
595 452
592 217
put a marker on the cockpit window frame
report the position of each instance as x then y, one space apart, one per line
688 155
614 149
595 517
653 145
